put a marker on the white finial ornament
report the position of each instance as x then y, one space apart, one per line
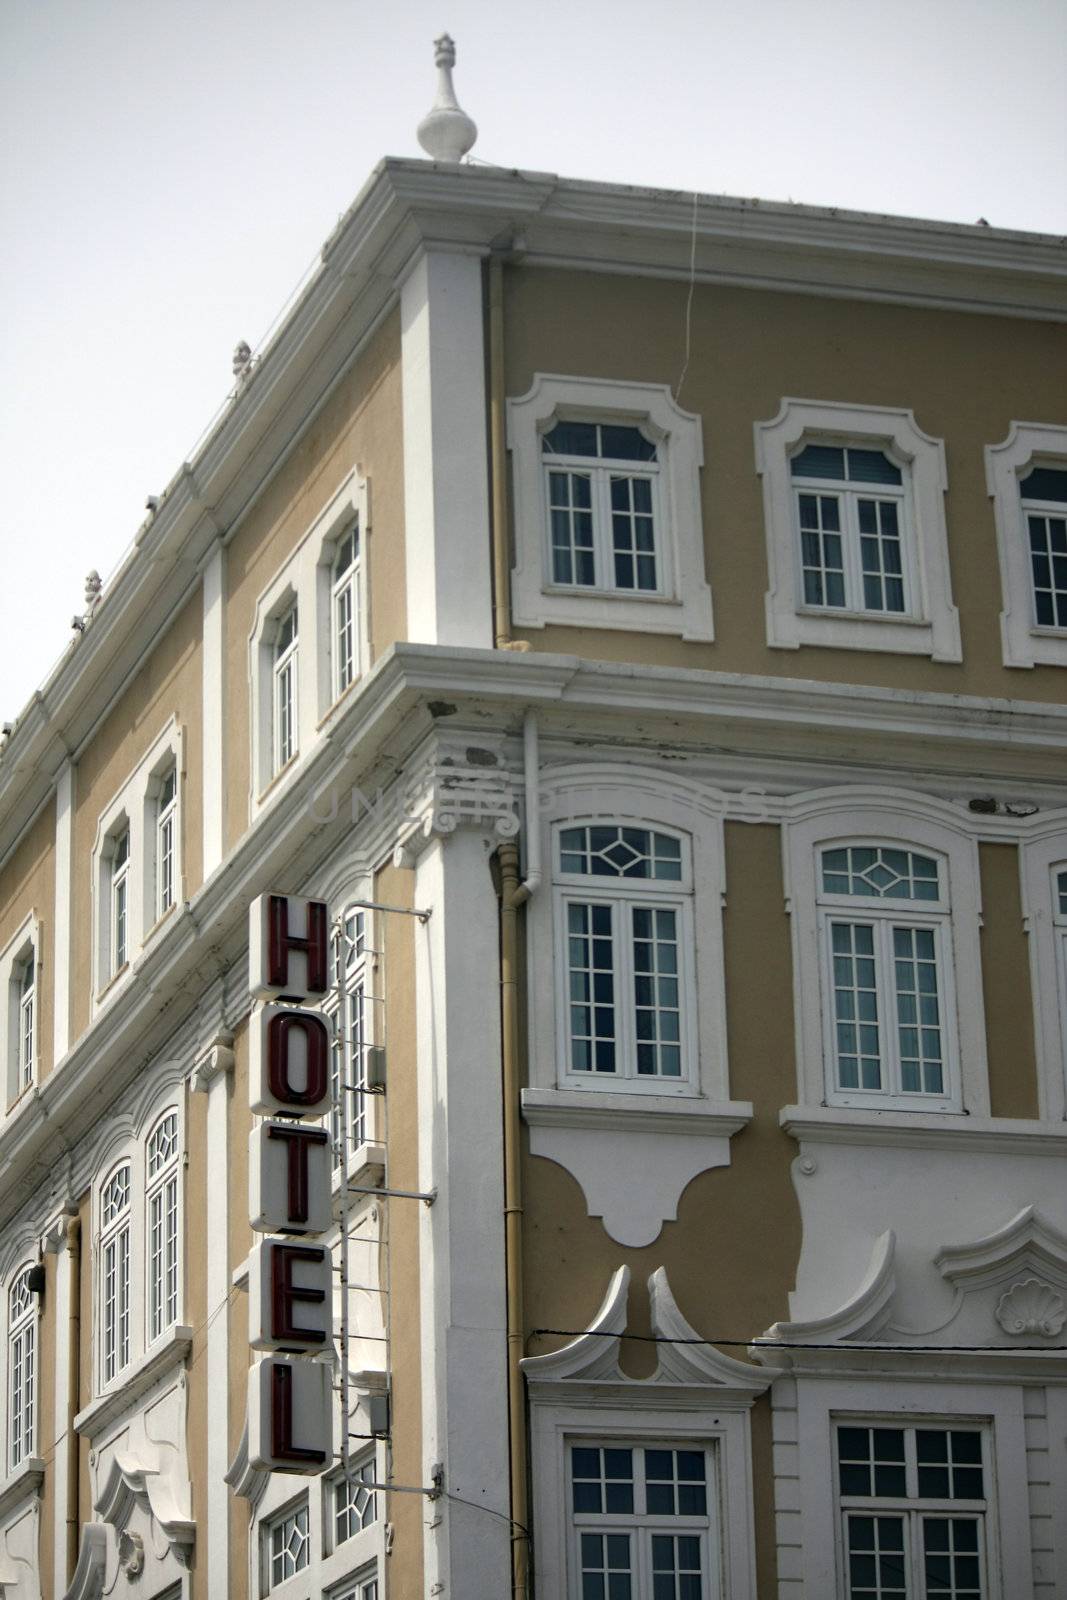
446 133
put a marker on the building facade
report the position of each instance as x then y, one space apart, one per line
659 674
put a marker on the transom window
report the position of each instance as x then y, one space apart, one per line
888 975
913 1512
115 1272
120 901
22 1371
166 821
850 518
626 954
285 688
344 603
162 1225
1044 505
642 1523
287 1544
601 483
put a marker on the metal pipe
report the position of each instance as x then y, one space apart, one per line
344 1077
531 776
74 1255
513 1210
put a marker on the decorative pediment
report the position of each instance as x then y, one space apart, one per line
129 1482
863 1315
684 1360
1026 1246
244 1479
91 1573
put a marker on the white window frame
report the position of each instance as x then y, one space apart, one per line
135 810
165 854
162 1197
624 895
681 604
22 1344
609 796
363 1113
901 820
118 898
115 1257
1023 642
20 955
132 1149
346 596
306 580
291 1512
1041 860
930 626
333 1569
886 914
285 689
812 1504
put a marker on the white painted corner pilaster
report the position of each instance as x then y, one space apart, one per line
446 482
56 1242
214 668
212 1075
61 921
461 1248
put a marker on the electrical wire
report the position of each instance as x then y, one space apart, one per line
807 1344
689 298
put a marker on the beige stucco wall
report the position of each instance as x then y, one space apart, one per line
404 1574
168 685
966 378
360 425
1009 1012
27 884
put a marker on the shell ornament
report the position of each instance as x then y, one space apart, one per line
1030 1306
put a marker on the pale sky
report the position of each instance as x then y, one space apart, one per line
170 169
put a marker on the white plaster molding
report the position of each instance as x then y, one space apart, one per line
683 605
1031 1308
97 1543
1028 1240
129 1481
22 1484
215 1061
446 483
245 1480
931 626
669 1114
594 1355
136 1381
1042 856
923 1130
864 1315
686 1361
1024 643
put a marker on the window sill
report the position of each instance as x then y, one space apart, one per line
168 1352
19 1485
857 630
944 1130
661 1113
366 1167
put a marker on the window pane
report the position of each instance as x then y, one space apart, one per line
570 514
821 551
602 1480
871 1461
951 1559
1048 565
591 986
950 1464
876 1559
918 1012
633 534
881 873
355 1505
607 850
855 993
288 1541
657 1011
819 461
880 556
1044 483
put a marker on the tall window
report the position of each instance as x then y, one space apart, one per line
887 943
1044 505
120 901
351 1041
285 689
344 601
642 1523
601 482
166 823
115 1272
162 1225
625 943
26 987
355 1506
850 519
913 1511
22 1370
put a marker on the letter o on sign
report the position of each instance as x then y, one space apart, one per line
290 1062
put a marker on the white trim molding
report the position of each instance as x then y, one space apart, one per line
930 625
682 603
697 1397
1042 862
1024 643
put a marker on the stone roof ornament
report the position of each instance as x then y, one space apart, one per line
446 133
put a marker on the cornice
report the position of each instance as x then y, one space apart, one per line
925 1130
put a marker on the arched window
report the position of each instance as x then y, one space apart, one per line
115 1211
161 1225
625 984
22 1370
884 916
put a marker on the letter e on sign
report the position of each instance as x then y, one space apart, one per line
288 947
289 1297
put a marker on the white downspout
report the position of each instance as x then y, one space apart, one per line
532 784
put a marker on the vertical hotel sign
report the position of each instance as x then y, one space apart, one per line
289 1188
